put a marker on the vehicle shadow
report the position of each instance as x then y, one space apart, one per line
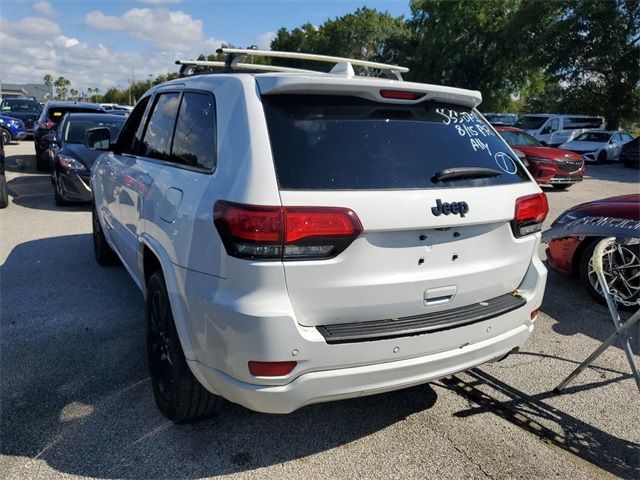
614 172
34 190
552 425
76 394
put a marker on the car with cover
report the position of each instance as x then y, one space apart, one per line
71 159
549 166
302 237
571 256
52 114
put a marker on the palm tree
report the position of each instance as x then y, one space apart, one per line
62 87
48 81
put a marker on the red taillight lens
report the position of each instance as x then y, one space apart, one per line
401 94
534 313
48 124
529 214
271 369
258 232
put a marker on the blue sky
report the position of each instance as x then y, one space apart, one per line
95 43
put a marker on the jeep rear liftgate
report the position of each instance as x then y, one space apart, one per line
434 190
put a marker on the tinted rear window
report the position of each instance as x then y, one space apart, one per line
348 143
75 130
530 123
56 113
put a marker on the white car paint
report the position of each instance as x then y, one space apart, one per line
554 129
591 151
229 311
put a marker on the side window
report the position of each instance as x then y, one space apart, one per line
127 140
617 138
626 137
554 125
194 142
156 141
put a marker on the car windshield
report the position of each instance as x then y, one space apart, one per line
19 105
593 137
75 130
522 139
530 123
326 142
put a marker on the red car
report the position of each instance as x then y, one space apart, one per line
549 166
571 256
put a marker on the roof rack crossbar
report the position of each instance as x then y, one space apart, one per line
391 70
187 67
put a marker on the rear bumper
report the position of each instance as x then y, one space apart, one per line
329 385
225 336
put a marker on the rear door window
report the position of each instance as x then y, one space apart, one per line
156 142
349 143
194 142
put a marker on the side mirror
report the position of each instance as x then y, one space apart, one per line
98 138
50 138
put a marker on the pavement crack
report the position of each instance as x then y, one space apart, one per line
469 459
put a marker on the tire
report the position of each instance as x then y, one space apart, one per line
178 395
588 279
4 196
103 252
602 157
562 186
6 136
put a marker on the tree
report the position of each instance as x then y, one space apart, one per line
471 45
62 87
364 34
592 57
48 81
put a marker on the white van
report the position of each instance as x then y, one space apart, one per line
553 129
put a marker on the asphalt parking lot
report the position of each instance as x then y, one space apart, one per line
76 398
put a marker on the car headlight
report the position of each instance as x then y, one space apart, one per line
539 159
68 163
568 216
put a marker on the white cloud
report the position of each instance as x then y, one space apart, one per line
264 40
173 31
44 8
28 54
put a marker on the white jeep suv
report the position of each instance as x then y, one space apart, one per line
304 237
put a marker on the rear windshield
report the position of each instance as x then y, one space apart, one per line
519 138
593 137
19 105
576 123
530 123
55 114
324 142
75 130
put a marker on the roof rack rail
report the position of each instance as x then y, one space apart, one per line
234 57
188 66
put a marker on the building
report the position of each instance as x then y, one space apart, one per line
38 90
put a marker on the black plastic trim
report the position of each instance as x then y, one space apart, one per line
420 324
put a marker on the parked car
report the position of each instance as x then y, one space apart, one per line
304 238
501 119
598 145
51 115
71 160
11 129
571 256
26 109
4 196
554 130
630 153
549 166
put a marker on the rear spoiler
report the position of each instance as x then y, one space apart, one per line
364 87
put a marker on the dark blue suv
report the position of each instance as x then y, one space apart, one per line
11 129
26 109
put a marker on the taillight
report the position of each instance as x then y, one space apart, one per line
287 233
401 94
47 124
529 215
271 369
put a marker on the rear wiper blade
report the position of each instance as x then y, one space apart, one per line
464 172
